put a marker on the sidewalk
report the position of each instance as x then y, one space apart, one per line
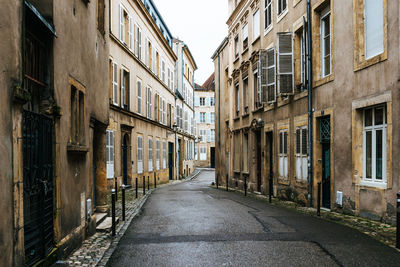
382 232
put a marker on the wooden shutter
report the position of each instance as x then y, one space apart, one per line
285 146
271 85
262 75
285 64
130 33
115 84
121 24
304 141
298 141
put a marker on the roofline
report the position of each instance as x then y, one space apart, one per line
161 18
222 45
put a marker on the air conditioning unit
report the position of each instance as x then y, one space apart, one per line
339 198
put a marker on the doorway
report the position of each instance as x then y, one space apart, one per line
125 145
269 161
325 140
258 159
212 157
171 160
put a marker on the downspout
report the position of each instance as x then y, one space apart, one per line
310 108
219 113
176 85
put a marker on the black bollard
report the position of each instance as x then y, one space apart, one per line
398 222
245 186
123 202
271 192
116 188
113 212
148 183
144 185
136 187
155 180
227 189
319 200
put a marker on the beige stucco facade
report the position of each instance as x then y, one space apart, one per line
353 85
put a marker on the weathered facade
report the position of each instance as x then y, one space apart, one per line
53 116
205 120
142 98
261 102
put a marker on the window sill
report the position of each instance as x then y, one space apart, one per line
371 184
261 108
245 50
256 40
236 172
370 62
247 173
245 115
323 80
236 118
300 95
77 149
282 15
268 29
236 59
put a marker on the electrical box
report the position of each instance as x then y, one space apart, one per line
339 198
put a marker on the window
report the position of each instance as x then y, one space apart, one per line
236 155
282 6
150 160
245 153
149 54
203 134
268 14
212 135
325 43
169 115
246 95
212 117
122 18
163 71
237 99
125 89
236 47
202 117
169 78
267 81
212 101
138 42
115 84
139 97
157 154
245 36
110 154
195 153
203 153
164 155
202 101
77 115
257 91
164 114
256 25
283 154
374 145
148 103
303 60
373 27
140 155
285 64
301 153
100 16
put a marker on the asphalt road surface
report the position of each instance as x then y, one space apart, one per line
191 224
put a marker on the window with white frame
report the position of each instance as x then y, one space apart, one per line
139 96
169 78
246 95
202 117
163 71
140 155
301 153
202 101
115 84
138 42
212 101
283 154
245 36
212 117
212 135
110 154
374 145
256 24
236 47
148 103
157 154
374 28
150 159
325 43
268 14
282 6
203 134
203 153
164 165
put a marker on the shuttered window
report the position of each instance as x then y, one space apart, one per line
148 103
121 24
130 33
283 154
140 155
267 75
150 159
301 153
158 154
285 64
139 97
115 83
373 15
110 154
164 155
256 24
138 42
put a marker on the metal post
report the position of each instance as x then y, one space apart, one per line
227 189
113 212
319 200
270 188
144 185
116 188
155 180
148 183
123 202
245 186
398 222
136 187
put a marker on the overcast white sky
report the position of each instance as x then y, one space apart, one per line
201 25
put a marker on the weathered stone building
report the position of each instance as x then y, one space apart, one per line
261 102
205 120
54 117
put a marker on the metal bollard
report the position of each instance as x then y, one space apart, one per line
245 186
144 185
113 212
398 222
116 188
271 192
123 202
136 189
319 200
155 180
148 183
227 189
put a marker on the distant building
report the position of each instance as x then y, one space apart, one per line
205 120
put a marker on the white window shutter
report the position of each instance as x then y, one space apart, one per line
271 75
136 41
140 44
147 52
122 88
285 64
197 101
121 24
130 33
115 84
262 75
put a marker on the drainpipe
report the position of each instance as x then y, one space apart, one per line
310 108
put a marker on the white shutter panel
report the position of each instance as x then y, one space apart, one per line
121 24
115 84
147 53
197 101
271 84
130 33
285 64
262 75
373 14
122 88
136 41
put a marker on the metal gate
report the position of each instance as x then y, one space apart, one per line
38 186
